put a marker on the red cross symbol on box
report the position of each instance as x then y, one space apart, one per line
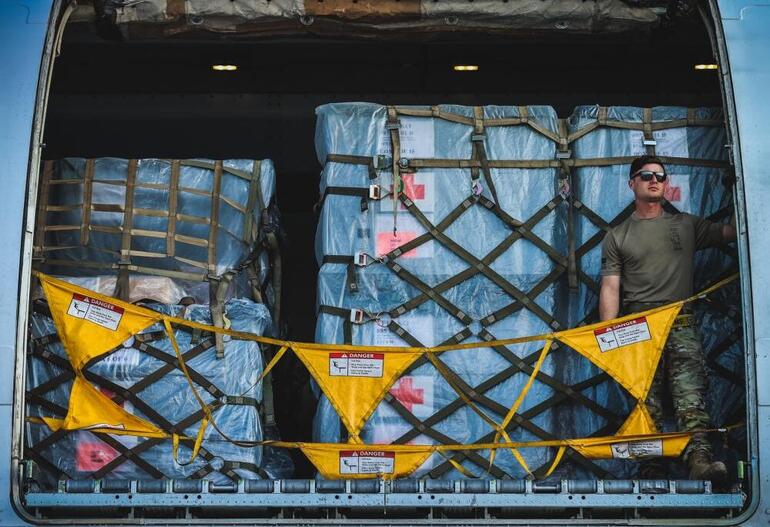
412 190
673 193
407 394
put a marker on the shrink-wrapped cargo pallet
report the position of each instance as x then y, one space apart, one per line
191 220
692 144
144 378
169 232
475 251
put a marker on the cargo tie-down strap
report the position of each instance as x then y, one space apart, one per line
480 170
356 378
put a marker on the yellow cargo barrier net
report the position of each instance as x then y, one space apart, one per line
355 379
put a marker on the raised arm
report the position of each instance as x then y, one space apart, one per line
609 297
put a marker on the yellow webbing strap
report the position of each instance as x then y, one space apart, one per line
91 325
205 407
502 430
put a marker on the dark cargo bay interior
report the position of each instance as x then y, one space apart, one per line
161 99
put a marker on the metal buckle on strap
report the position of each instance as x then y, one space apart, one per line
381 162
357 316
650 142
360 258
375 192
478 137
566 154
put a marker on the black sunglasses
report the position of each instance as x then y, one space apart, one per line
646 175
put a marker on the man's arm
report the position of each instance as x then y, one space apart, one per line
609 297
711 234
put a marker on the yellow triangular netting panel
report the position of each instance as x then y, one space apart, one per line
356 379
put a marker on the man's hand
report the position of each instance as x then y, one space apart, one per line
609 297
729 231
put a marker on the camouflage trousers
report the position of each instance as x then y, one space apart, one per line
683 368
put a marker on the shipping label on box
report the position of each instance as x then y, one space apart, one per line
419 326
669 143
407 229
416 138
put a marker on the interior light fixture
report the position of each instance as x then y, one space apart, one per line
706 67
465 67
224 67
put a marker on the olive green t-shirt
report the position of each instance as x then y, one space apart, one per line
655 257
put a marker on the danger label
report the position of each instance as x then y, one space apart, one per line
97 311
637 449
356 364
624 334
367 462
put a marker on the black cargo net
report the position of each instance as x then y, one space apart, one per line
60 370
564 267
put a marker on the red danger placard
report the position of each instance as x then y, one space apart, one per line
94 310
367 462
623 334
356 364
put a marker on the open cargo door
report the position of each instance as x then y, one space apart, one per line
527 246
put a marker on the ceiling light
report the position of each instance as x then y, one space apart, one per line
224 67
706 67
465 67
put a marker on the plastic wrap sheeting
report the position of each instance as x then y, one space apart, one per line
359 129
109 189
79 454
693 189
423 392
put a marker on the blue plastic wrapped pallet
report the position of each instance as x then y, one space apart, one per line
422 407
142 376
361 130
692 142
192 220
475 251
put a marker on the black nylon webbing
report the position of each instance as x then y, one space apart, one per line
476 394
479 163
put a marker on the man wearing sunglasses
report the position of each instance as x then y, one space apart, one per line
650 257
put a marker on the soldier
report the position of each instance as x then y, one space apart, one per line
651 255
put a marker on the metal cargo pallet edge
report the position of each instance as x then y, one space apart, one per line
379 493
